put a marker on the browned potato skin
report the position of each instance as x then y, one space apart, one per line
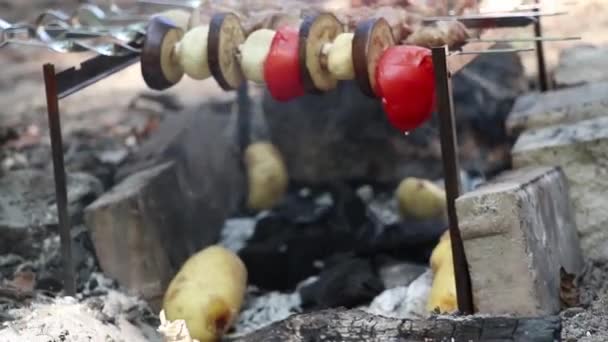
207 293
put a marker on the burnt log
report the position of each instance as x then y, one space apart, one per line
340 325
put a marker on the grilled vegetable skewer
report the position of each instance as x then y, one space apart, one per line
310 59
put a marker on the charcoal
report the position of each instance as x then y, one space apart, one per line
286 249
346 283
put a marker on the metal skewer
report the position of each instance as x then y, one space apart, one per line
495 20
521 40
490 51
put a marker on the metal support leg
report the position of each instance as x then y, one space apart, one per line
540 55
52 100
449 152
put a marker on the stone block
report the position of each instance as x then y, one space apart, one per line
146 227
569 105
519 231
581 64
581 149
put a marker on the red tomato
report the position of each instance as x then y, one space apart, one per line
405 81
282 68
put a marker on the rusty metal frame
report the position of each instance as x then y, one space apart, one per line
451 170
67 82
59 86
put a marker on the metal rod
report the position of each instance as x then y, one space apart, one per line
490 51
495 20
540 55
243 117
520 40
449 153
61 195
91 71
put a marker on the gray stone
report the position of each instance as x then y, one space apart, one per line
400 273
147 226
581 149
582 64
569 105
27 202
518 231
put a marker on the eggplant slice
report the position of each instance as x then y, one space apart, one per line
315 32
159 65
225 35
372 38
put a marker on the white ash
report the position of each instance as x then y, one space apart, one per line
400 273
324 199
404 301
261 311
113 157
67 319
304 192
99 313
236 232
366 193
385 208
306 282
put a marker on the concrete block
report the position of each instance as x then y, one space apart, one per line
569 105
518 231
581 149
581 64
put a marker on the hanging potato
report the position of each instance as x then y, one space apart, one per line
207 293
267 175
421 199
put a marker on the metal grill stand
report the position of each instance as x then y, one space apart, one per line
449 156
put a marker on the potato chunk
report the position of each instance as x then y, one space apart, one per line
207 293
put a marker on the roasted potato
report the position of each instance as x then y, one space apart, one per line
443 291
420 198
207 293
267 175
